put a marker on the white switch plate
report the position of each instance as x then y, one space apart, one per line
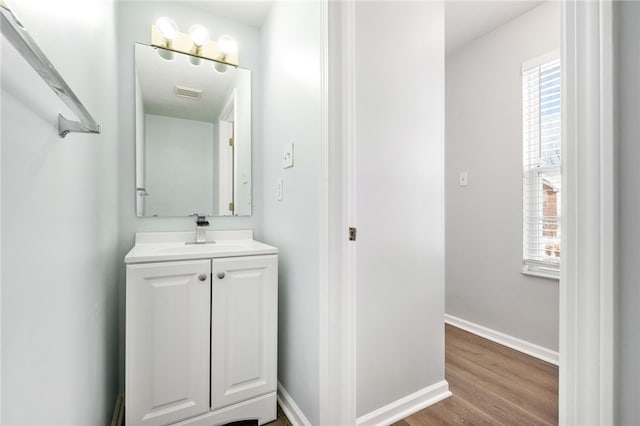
287 159
464 179
279 189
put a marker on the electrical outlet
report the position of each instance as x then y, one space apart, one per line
464 179
279 189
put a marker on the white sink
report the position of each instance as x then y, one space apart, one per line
163 246
199 248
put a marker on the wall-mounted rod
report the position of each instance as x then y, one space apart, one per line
15 32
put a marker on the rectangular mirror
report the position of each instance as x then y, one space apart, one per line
193 135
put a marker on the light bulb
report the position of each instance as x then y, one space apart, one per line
219 67
199 35
227 45
167 55
167 28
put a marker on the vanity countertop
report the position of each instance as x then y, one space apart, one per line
167 246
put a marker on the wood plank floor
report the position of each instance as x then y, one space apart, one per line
491 385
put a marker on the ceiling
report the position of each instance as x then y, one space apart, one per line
465 21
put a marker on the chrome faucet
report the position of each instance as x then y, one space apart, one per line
201 229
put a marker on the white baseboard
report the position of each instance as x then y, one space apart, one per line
520 345
290 408
406 406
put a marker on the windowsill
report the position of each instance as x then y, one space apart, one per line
551 275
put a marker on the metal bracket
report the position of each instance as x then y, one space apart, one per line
65 126
18 36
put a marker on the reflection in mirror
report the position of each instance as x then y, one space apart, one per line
193 135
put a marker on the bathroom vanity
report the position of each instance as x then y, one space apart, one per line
201 329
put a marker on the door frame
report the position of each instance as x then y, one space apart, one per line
587 298
226 156
587 304
337 307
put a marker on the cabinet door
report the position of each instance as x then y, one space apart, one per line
167 341
244 328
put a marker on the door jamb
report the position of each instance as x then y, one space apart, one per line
587 304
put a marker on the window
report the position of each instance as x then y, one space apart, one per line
541 183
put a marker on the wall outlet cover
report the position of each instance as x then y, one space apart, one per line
287 159
464 179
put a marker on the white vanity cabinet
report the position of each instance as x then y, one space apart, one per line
167 341
243 329
201 331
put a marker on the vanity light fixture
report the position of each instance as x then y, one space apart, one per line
219 67
165 54
168 30
199 36
165 34
228 46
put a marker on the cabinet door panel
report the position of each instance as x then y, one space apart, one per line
167 341
243 329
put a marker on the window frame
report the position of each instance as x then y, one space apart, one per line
530 266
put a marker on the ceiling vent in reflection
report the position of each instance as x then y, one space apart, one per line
188 92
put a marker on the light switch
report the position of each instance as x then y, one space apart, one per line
464 179
279 189
287 159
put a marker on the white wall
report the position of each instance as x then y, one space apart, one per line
134 19
484 284
59 223
399 95
179 166
628 129
291 48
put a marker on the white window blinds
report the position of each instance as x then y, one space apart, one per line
541 167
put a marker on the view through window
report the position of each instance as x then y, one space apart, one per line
542 182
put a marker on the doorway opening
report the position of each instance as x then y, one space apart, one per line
503 192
